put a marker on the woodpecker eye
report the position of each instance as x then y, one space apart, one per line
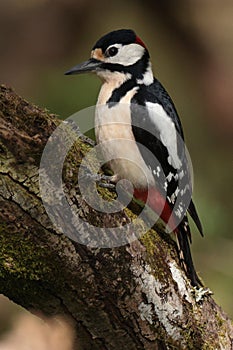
112 51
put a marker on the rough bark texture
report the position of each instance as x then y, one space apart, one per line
131 297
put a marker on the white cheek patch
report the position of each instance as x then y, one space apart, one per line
167 130
127 54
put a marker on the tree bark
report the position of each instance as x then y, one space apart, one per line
134 296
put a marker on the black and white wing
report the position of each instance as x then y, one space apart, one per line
157 127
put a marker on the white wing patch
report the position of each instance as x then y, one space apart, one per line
167 130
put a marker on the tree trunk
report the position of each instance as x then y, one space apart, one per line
134 296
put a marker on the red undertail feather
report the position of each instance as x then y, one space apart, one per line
158 204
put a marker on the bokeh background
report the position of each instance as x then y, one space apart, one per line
191 46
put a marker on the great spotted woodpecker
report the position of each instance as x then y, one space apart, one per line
122 61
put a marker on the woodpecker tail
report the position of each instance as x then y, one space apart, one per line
193 213
183 234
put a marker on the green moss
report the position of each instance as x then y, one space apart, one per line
21 257
150 241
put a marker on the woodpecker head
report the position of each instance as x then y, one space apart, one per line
120 51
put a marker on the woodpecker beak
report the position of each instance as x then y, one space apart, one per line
88 66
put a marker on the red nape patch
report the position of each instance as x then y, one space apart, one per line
158 204
139 41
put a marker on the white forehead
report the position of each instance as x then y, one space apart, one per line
127 54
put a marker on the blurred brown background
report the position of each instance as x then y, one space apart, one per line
191 46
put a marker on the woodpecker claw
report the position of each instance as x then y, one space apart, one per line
110 183
101 179
107 185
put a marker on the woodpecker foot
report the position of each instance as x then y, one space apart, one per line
102 180
106 181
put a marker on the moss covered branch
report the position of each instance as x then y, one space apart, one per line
131 297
